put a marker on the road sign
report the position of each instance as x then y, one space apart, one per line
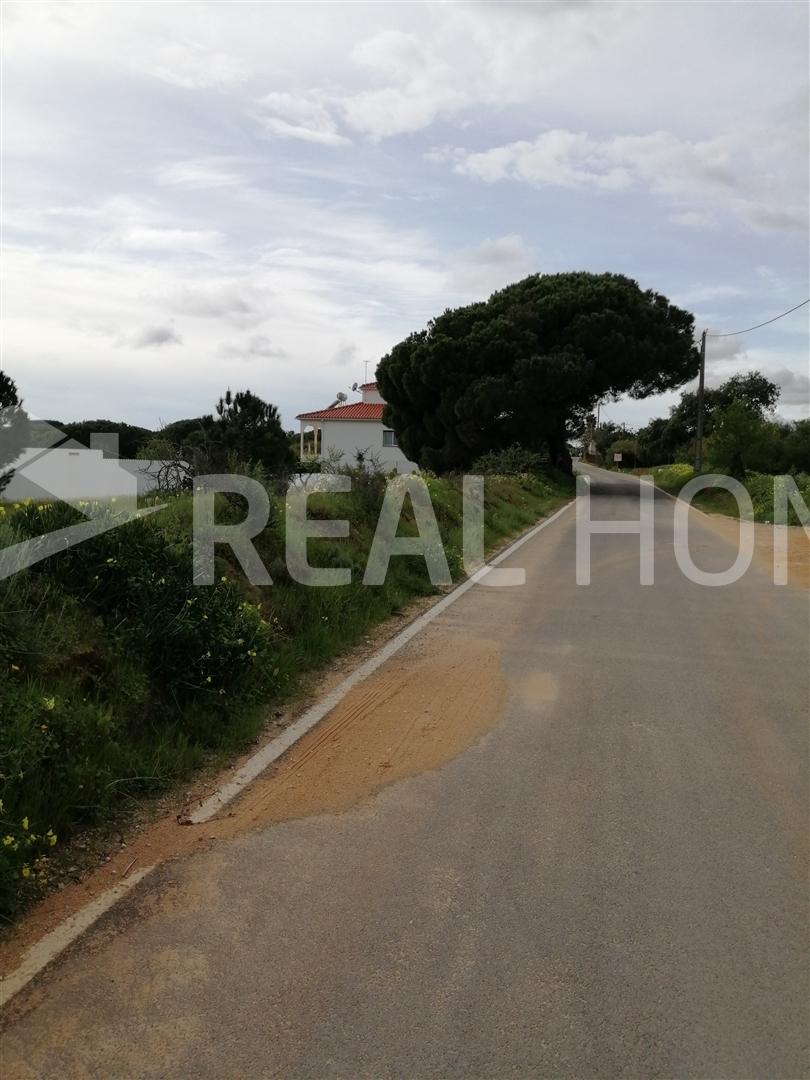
617 456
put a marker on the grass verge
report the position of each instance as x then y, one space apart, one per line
119 677
760 486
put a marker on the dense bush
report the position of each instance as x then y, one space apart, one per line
512 461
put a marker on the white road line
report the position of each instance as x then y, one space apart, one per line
46 950
270 752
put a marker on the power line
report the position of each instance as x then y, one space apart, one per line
767 321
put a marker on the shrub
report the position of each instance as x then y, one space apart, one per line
510 462
23 860
761 488
192 639
673 477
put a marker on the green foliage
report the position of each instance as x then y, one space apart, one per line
672 477
795 447
158 448
14 427
512 461
760 486
627 448
131 437
527 364
250 430
192 639
673 437
741 439
23 859
762 489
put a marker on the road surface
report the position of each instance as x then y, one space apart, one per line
605 876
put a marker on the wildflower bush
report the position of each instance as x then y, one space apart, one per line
760 486
23 859
671 477
119 676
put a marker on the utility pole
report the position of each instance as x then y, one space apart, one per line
701 381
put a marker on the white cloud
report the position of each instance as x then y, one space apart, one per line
794 387
771 218
180 241
193 66
694 219
303 117
562 158
141 187
728 171
200 174
701 294
492 264
723 349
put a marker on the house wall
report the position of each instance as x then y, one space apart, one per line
349 436
372 397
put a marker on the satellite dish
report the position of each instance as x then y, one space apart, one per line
341 396
355 386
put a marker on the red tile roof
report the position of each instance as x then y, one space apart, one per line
368 386
359 411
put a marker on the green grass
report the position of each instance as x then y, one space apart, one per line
119 678
760 487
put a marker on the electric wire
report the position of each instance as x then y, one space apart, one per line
734 333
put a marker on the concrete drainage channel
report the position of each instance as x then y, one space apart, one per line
53 944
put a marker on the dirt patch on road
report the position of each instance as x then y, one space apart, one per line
410 716
798 546
418 711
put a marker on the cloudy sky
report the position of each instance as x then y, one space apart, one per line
271 195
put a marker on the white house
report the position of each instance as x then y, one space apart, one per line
353 430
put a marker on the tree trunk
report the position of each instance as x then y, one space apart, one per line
558 452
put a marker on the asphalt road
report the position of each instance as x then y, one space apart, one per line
612 882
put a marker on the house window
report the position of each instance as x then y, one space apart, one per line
389 437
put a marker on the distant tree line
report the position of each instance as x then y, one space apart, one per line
242 434
741 432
